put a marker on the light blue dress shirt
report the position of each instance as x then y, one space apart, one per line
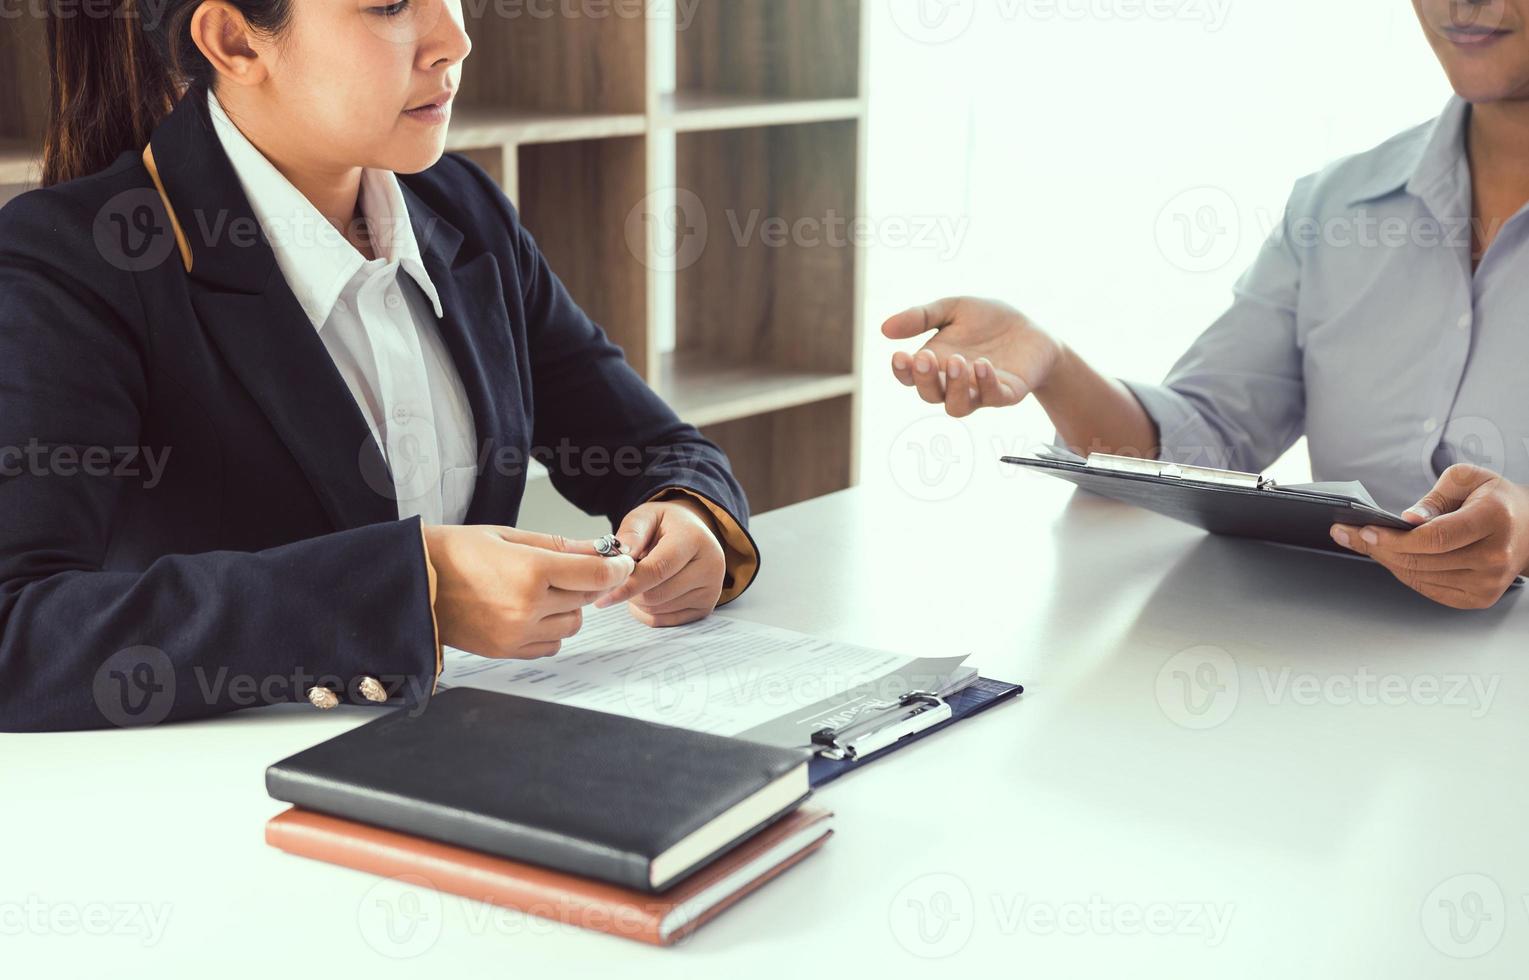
1362 326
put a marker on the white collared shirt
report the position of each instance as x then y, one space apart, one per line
378 326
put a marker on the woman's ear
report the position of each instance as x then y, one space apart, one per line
225 39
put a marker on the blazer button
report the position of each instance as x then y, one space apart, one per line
372 690
322 698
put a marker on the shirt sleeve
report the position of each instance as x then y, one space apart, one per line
1237 398
737 545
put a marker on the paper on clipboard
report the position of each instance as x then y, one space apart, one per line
720 675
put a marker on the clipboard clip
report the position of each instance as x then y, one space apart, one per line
1178 471
914 712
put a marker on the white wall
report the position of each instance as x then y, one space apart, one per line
1044 144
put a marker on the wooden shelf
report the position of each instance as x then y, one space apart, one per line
689 112
18 162
705 391
473 127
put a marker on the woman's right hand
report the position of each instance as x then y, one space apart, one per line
510 594
986 354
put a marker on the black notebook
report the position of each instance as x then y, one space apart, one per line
584 792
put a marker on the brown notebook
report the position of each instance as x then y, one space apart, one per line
661 919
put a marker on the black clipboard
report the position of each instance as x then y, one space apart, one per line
1241 505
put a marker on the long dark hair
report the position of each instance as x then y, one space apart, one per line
116 74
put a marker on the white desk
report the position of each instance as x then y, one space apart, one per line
1318 813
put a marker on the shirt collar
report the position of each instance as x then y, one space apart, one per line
1421 160
313 256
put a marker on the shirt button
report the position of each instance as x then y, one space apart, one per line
1430 425
1464 323
394 302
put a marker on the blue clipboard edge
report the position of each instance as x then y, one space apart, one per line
983 694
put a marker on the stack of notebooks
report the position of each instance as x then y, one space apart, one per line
591 819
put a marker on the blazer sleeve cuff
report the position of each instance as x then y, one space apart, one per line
435 623
738 548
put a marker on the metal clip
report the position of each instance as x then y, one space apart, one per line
870 735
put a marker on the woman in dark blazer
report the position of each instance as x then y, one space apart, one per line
242 466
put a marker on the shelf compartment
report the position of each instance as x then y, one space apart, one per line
575 199
775 283
696 111
704 391
804 49
574 62
785 457
19 163
24 81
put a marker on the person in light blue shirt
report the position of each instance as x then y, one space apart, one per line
1386 319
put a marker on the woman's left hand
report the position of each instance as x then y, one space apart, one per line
1471 542
680 564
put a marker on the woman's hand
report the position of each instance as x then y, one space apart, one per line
985 355
511 594
1471 543
680 564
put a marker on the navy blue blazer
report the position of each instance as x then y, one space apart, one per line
194 516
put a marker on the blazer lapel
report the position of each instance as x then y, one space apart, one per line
247 308
476 329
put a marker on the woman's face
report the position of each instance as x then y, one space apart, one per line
1482 45
367 83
